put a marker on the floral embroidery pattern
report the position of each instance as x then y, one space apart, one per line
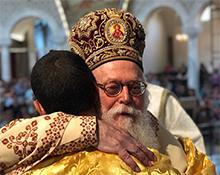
88 132
10 125
25 142
88 137
53 133
29 149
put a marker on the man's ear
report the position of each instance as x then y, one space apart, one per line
39 108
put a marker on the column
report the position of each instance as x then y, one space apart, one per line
5 63
193 59
31 49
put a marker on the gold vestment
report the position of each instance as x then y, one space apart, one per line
99 163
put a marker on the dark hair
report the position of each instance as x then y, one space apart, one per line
61 81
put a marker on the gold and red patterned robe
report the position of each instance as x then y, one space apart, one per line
26 142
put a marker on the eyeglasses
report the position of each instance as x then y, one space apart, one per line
114 88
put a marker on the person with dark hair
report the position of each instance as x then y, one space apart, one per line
61 81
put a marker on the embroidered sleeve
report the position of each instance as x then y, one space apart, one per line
24 143
84 129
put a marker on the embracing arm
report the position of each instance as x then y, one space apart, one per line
26 142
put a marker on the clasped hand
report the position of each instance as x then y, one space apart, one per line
116 141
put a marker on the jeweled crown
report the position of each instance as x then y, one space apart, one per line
106 35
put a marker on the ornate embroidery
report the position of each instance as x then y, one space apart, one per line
61 114
25 142
29 142
87 25
112 53
88 131
88 137
47 117
103 30
53 133
10 125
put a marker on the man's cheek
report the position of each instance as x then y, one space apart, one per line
139 103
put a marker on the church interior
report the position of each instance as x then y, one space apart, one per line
182 52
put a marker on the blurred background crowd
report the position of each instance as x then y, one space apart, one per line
16 100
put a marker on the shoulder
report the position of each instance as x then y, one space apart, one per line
159 93
154 88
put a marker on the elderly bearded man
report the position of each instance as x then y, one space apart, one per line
100 48
117 66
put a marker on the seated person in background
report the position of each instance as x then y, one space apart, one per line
95 162
61 81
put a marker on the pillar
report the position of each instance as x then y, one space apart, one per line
5 61
193 58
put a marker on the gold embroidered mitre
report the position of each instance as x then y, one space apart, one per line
107 35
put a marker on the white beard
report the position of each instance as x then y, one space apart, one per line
139 124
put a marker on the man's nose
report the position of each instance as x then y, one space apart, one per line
125 96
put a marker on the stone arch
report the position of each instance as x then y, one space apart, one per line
53 24
192 25
144 12
198 8
149 7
